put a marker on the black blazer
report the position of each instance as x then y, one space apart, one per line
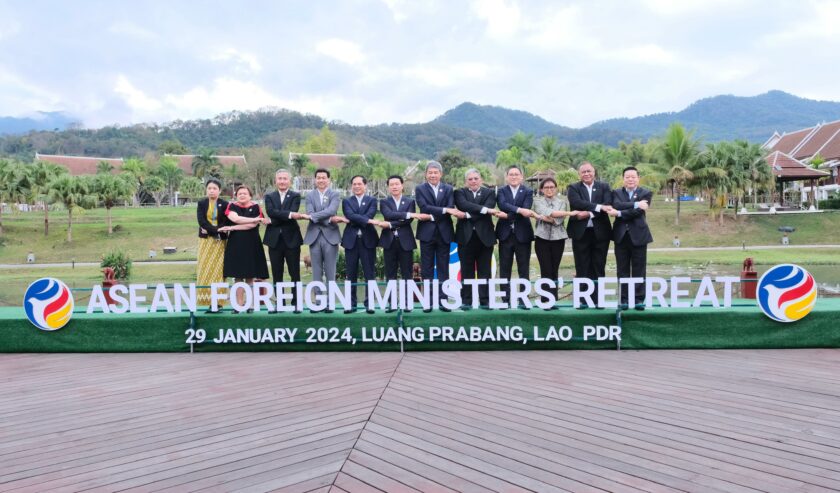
579 201
478 223
523 230
282 227
201 216
358 217
632 221
441 228
395 214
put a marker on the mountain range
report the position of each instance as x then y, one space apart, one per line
478 131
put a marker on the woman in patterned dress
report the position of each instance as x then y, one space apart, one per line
211 242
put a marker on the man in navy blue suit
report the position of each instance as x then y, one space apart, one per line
397 239
438 200
359 239
514 228
631 234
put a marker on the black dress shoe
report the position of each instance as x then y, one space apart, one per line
328 310
350 310
523 307
444 309
370 311
484 307
297 311
583 306
427 310
640 307
390 310
623 306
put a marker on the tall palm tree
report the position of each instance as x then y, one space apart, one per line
104 167
679 150
171 174
758 174
550 152
299 163
13 183
41 173
74 193
110 190
205 163
139 171
523 142
713 171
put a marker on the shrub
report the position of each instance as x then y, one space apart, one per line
119 261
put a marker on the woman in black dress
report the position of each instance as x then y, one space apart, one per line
244 254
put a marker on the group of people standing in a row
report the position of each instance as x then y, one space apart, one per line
230 244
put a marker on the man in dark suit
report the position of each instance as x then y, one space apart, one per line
474 234
590 230
359 239
282 235
397 239
436 199
514 229
631 234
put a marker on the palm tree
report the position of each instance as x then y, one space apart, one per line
138 171
523 142
74 193
713 171
104 167
191 187
299 162
759 176
41 173
156 187
550 152
205 163
679 150
171 174
13 183
110 190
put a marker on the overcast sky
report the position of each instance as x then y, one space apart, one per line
378 61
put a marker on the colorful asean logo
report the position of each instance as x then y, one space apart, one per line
786 293
48 303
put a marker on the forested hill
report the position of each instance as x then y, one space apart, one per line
731 117
478 131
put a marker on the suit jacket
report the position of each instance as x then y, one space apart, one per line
320 214
478 223
358 217
522 228
632 221
441 227
400 226
282 227
579 201
203 223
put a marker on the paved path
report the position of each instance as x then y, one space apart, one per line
567 253
577 421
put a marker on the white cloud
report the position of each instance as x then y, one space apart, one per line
647 53
503 17
448 75
681 8
342 50
820 25
242 61
136 99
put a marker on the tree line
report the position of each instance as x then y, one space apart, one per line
674 164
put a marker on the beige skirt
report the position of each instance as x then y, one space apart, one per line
211 258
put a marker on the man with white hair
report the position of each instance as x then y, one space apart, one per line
437 199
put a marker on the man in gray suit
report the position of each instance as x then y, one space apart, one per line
322 235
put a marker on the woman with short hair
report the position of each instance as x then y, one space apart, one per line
244 254
550 234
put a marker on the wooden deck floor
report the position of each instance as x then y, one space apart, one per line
457 421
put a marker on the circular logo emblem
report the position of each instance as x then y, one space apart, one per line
48 303
786 293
